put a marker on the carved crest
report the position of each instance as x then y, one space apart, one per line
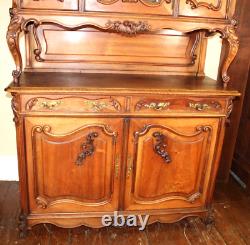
128 27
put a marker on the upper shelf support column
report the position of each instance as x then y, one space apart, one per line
233 47
12 37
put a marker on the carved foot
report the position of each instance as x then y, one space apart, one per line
209 220
23 228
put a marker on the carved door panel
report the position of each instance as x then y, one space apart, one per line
155 7
50 4
169 162
204 8
73 164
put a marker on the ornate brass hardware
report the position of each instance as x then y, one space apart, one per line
160 147
88 148
129 166
199 106
98 106
117 158
49 105
158 106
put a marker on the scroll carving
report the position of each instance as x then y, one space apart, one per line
160 147
12 37
128 27
195 4
15 108
41 202
149 3
88 148
229 110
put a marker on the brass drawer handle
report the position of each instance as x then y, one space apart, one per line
160 147
157 106
199 106
88 148
50 105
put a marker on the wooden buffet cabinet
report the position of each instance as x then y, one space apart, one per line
112 108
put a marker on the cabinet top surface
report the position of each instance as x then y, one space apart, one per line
48 82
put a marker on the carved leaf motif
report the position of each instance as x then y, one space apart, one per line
88 148
128 27
160 147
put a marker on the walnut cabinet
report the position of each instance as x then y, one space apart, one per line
113 110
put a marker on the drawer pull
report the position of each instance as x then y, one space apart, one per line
88 148
50 105
158 106
199 106
160 147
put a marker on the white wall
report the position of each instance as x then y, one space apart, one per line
8 158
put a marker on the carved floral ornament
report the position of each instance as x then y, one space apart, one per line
124 27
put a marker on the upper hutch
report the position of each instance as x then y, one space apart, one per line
113 110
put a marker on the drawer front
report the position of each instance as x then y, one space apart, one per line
74 104
204 8
162 7
160 105
51 4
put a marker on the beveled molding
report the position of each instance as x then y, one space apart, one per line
149 3
94 220
199 130
124 27
41 200
196 4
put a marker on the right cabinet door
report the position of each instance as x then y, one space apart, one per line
170 162
205 8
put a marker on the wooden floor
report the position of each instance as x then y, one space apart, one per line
231 207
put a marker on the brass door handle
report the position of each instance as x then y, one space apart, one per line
129 166
117 160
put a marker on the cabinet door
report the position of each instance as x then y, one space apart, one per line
73 164
169 162
50 4
204 8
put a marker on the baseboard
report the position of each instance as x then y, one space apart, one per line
8 167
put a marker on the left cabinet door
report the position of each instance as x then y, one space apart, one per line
73 164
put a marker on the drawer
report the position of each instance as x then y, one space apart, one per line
73 104
51 4
160 105
162 7
204 8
